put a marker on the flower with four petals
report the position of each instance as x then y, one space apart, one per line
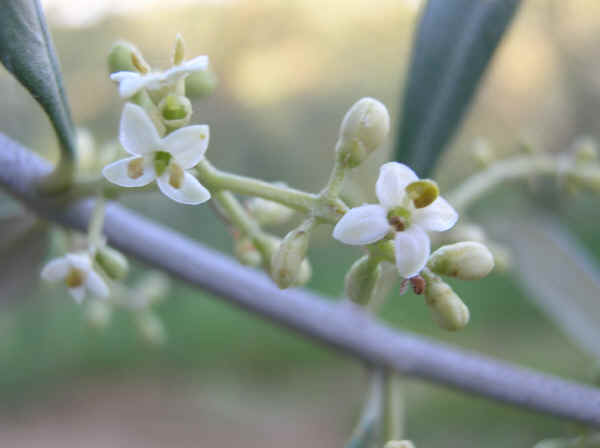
77 272
408 208
163 159
131 83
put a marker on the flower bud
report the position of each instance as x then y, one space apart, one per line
175 111
112 262
246 253
585 150
268 212
449 312
304 273
399 444
467 260
120 57
361 280
151 328
364 128
483 152
98 314
201 84
287 259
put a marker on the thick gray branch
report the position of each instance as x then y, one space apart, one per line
337 324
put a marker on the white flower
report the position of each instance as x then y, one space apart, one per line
78 274
131 83
409 207
162 159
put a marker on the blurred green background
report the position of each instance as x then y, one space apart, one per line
287 72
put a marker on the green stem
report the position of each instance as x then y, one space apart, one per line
336 181
366 431
96 223
214 179
514 168
393 407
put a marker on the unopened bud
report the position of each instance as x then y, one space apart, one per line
287 259
483 153
361 280
467 260
112 262
179 52
151 328
304 273
120 59
399 444
175 111
585 149
364 128
98 314
201 84
246 252
268 212
447 309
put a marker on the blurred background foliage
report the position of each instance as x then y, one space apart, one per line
287 72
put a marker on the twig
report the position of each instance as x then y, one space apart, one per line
339 325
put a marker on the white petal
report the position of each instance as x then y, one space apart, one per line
80 261
187 145
191 192
125 75
56 270
412 251
437 217
96 285
78 293
117 173
197 64
362 225
137 133
393 179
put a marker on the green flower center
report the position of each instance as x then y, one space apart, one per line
399 218
161 162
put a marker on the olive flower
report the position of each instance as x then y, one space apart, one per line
407 209
132 82
76 271
162 159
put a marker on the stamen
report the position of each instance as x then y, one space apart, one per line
135 168
399 218
422 192
75 278
176 176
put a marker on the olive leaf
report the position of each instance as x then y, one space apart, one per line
26 50
453 46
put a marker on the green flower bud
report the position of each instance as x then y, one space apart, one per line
246 253
467 260
287 259
175 111
448 311
151 328
112 262
304 273
120 58
585 150
201 84
399 444
361 280
268 212
98 313
364 128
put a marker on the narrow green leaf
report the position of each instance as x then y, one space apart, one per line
26 50
454 43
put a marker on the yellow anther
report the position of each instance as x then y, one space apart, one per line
75 278
422 192
139 63
176 175
135 168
